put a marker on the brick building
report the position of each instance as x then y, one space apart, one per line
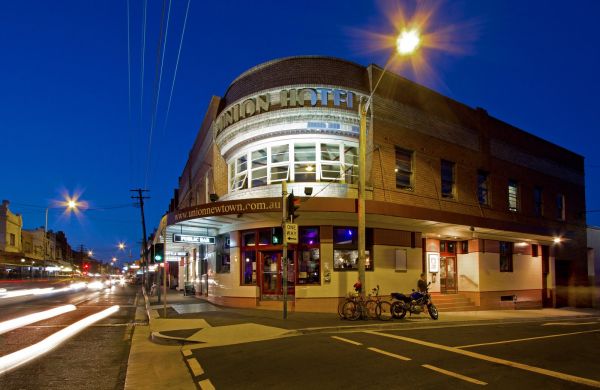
492 214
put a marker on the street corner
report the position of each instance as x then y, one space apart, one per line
236 334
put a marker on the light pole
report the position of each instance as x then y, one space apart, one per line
407 43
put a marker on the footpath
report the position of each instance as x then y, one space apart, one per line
163 336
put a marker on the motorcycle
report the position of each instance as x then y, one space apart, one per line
415 303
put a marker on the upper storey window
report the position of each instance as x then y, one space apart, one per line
299 161
448 178
513 195
404 168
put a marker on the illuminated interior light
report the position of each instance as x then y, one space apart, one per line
15 323
557 240
18 358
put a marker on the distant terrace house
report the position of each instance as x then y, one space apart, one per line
495 216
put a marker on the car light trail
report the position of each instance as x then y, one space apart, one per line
9 325
16 359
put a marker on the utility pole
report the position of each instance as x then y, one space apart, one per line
284 255
140 197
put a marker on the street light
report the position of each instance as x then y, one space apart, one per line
71 204
122 246
406 43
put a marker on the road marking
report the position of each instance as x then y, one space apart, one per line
206 384
528 338
388 353
196 368
542 371
569 323
346 340
454 374
187 353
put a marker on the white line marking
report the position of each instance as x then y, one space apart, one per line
569 323
388 353
527 339
346 340
206 384
15 323
187 353
196 368
15 359
542 371
454 374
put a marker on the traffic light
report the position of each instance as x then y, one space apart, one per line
86 267
159 253
292 206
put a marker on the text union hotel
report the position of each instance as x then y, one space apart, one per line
494 215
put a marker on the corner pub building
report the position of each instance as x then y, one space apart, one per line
493 215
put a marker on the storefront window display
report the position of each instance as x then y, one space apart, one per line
345 249
309 261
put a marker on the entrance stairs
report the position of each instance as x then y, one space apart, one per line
452 302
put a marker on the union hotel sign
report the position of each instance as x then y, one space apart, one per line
288 98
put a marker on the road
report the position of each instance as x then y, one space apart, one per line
537 354
95 358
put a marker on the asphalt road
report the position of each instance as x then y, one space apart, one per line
95 358
539 354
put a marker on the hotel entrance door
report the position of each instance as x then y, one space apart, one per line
271 275
448 275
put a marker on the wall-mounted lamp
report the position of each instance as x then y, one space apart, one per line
214 197
308 191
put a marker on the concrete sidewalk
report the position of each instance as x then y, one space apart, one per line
192 322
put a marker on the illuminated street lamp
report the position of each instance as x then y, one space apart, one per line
71 204
122 246
407 43
90 253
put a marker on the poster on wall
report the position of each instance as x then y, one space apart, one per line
434 262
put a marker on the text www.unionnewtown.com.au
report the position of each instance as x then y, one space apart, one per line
235 208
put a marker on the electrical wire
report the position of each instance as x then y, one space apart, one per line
157 81
131 174
176 66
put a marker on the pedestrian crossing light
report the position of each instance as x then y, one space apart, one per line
159 253
292 206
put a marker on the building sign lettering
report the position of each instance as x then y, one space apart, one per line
235 207
288 98
193 239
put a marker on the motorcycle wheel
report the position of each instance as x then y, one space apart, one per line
384 311
351 311
398 310
433 311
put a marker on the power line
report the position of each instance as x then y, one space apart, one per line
129 124
157 79
176 65
143 57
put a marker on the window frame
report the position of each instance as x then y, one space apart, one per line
447 166
483 187
506 252
408 172
513 184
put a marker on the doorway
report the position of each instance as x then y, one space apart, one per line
271 275
448 283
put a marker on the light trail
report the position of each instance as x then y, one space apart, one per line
16 359
40 291
15 323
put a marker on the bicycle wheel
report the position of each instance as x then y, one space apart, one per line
371 306
384 311
341 307
351 311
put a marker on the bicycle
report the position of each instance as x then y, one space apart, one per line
356 307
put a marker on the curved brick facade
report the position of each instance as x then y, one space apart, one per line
297 70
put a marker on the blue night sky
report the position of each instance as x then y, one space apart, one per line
66 125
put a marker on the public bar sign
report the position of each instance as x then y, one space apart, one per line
189 239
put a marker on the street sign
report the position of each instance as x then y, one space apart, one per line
290 233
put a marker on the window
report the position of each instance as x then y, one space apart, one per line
513 195
447 247
464 246
447 175
223 256
345 249
259 168
534 250
483 186
560 207
538 202
350 164
330 162
309 261
506 258
12 239
240 181
404 169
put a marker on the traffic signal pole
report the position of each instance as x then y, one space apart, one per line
284 261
